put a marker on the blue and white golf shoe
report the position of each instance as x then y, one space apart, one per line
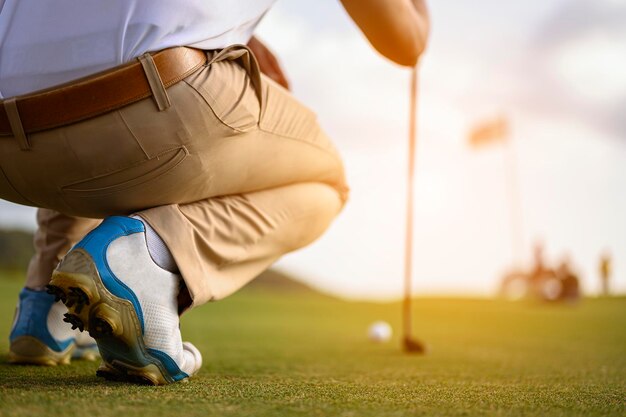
40 337
113 288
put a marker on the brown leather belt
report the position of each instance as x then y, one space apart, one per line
100 93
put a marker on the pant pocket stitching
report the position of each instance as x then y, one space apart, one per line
15 191
152 175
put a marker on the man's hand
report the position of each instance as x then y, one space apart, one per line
267 62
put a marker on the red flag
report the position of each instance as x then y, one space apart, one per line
489 132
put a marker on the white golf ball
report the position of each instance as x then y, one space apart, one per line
379 332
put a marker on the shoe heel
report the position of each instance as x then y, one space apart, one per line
75 321
59 294
73 284
78 292
28 350
105 322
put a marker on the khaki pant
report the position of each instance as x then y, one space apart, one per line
234 174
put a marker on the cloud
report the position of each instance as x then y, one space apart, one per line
578 17
578 63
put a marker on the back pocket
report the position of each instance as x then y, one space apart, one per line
128 178
9 192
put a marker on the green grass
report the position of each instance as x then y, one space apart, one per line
304 354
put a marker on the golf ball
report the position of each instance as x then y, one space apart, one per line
379 332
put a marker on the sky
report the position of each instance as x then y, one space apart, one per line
556 69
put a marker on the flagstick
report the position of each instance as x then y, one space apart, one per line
515 204
409 343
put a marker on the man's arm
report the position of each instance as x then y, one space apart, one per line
398 29
268 63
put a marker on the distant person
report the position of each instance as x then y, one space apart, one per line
156 118
570 283
605 267
541 280
539 268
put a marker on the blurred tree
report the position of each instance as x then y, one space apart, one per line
16 249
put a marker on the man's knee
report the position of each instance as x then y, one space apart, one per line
321 203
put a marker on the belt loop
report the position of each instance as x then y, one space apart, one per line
10 106
156 84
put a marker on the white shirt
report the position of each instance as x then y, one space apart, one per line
49 42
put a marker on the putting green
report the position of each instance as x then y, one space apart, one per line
300 353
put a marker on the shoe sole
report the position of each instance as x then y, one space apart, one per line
114 374
111 320
28 350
